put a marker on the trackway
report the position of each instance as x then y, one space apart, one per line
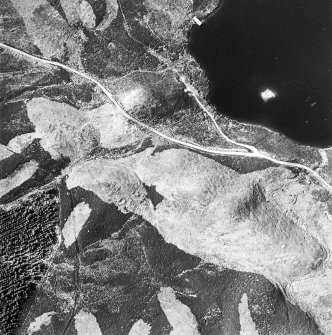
254 152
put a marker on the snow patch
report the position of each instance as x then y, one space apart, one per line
70 8
57 124
42 320
86 324
140 328
132 98
67 131
4 152
115 130
75 223
323 154
248 326
20 142
313 294
87 15
113 183
18 177
178 314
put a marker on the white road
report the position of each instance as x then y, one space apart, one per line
189 89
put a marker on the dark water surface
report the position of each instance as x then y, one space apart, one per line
249 46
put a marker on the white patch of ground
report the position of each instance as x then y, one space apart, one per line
191 217
327 162
20 142
70 7
285 238
4 152
314 294
87 16
18 177
86 324
75 223
67 131
113 183
132 98
178 315
140 328
264 222
79 11
42 320
57 124
115 130
248 326
323 154
187 183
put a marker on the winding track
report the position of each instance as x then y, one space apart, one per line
190 90
254 151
